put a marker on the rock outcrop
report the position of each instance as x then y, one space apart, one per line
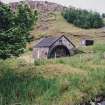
42 6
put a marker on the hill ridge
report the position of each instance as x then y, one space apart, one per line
42 6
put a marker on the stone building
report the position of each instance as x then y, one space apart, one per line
53 47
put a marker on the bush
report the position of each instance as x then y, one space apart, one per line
22 88
83 18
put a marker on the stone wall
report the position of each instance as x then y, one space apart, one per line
40 53
65 42
44 52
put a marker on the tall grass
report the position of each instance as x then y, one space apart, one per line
26 84
19 88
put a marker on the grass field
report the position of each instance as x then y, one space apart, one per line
64 81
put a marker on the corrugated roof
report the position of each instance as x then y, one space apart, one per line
47 42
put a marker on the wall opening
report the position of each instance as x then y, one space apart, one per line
59 51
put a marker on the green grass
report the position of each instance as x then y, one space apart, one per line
104 20
63 81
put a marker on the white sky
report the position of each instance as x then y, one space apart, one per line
95 5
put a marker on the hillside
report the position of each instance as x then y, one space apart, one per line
51 22
54 24
74 80
41 6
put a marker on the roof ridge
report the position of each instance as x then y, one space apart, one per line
49 41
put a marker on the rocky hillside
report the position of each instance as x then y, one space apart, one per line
42 6
51 22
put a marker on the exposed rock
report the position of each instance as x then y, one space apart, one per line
42 6
102 103
99 99
92 103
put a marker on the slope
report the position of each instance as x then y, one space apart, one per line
54 24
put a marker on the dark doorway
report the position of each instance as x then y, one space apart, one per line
59 51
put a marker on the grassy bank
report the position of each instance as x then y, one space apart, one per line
62 81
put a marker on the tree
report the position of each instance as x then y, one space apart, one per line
14 32
12 43
103 15
83 18
98 21
6 18
25 16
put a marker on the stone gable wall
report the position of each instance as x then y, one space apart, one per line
40 53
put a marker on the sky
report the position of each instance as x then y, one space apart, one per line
95 5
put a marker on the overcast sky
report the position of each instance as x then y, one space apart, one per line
95 5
